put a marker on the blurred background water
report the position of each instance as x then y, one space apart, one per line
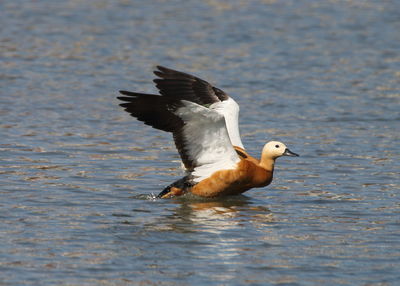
76 172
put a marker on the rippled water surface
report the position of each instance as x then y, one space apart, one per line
77 173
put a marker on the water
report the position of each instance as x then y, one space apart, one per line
77 173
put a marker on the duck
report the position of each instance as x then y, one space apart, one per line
204 122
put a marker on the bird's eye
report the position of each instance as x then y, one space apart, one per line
276 146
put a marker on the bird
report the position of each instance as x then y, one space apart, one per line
204 122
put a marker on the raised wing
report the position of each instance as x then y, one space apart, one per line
200 133
178 85
206 140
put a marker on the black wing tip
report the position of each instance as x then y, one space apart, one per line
132 94
123 98
163 69
160 67
160 71
125 105
125 92
164 72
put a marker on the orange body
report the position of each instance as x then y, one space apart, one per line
247 175
232 182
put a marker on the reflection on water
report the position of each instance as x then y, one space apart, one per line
78 175
206 232
218 215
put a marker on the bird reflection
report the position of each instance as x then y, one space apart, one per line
216 215
188 214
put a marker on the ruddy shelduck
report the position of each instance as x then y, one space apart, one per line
204 123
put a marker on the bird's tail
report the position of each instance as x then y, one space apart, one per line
177 188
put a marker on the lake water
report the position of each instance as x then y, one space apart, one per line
77 173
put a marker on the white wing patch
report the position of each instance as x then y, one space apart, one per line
230 110
206 140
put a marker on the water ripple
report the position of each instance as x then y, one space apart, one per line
78 176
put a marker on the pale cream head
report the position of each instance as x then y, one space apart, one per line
275 149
